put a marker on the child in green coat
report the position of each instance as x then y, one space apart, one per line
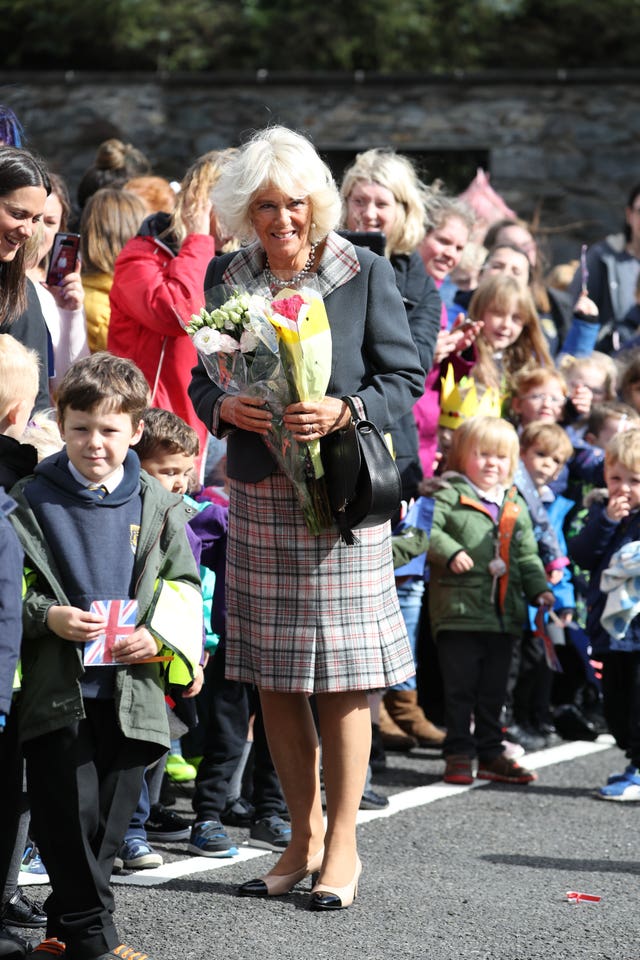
484 563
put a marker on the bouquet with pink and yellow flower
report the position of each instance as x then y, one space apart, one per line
278 349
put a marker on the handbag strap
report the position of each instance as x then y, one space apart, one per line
355 416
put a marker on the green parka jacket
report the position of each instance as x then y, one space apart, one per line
164 567
462 601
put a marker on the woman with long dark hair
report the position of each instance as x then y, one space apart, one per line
24 187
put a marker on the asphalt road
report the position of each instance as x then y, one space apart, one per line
449 874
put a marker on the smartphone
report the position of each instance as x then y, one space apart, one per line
466 323
64 257
374 240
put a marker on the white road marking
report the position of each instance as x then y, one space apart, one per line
418 797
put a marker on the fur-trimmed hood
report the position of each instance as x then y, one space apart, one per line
597 495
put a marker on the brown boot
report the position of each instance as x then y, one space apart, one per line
393 738
405 711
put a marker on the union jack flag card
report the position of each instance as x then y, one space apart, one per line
121 618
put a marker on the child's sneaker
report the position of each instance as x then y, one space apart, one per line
504 770
32 869
164 824
623 787
270 833
51 947
210 839
137 854
179 770
458 769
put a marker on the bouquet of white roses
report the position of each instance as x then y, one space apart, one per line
278 349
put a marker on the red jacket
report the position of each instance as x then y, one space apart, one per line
149 284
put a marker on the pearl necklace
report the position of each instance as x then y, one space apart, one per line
297 277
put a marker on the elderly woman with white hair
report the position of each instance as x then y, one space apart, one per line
309 615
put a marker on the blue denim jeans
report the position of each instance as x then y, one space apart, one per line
410 593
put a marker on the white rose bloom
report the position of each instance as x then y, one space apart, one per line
207 340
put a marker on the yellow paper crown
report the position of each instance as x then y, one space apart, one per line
460 401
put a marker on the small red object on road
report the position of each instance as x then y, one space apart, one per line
574 897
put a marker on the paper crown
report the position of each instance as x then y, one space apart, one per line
460 401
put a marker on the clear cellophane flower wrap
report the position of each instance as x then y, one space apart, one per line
279 349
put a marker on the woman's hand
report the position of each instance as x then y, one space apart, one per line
69 295
198 219
309 420
246 413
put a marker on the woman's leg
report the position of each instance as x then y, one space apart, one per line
345 728
293 743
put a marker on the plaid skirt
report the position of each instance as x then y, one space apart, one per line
308 614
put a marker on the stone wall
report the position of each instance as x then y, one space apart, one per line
565 145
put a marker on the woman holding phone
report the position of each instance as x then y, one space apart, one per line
62 302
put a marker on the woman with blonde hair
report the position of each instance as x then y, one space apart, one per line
449 223
397 210
111 217
381 192
160 275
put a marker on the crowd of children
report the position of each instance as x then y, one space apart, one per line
520 555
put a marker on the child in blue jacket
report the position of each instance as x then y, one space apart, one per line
608 546
544 450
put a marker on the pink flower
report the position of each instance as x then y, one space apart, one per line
288 306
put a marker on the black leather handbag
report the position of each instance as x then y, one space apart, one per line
363 481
